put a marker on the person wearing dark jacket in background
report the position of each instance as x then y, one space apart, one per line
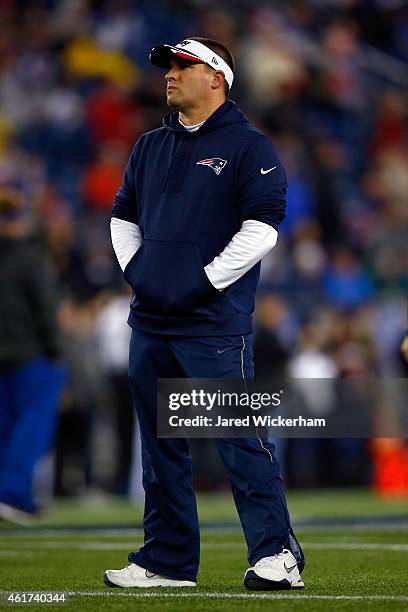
199 207
31 378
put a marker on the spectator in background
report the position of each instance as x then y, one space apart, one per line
31 379
404 347
271 352
113 337
103 177
82 400
347 284
404 355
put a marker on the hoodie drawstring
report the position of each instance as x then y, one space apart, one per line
173 154
185 162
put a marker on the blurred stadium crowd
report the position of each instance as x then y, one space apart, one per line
327 81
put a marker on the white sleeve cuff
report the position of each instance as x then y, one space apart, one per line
126 239
245 249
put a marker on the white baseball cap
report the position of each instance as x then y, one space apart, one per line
191 51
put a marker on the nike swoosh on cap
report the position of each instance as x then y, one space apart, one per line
266 171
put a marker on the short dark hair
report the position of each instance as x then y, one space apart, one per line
221 50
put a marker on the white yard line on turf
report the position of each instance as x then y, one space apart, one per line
204 595
356 546
57 532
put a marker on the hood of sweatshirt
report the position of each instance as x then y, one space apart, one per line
226 114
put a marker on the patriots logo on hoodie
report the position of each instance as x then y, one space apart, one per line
216 163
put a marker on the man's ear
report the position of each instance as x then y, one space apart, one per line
218 79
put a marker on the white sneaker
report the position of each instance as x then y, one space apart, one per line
135 576
273 573
17 516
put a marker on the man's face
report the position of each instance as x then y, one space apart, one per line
188 84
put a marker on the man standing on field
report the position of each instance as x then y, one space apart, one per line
200 204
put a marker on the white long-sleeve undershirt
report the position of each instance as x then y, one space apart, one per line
126 239
244 250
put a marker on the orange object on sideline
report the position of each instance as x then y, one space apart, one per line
390 467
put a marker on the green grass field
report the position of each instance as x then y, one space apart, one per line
362 566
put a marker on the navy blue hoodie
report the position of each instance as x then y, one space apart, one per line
190 193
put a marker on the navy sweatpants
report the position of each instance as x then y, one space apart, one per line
172 540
